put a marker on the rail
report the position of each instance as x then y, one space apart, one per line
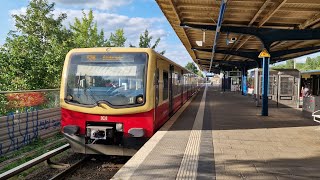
70 169
33 162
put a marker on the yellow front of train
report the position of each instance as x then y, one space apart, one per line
107 99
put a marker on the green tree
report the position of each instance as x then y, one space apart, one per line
35 51
192 67
5 73
117 39
288 65
85 32
145 41
310 64
200 74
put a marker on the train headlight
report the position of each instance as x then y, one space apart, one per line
119 127
140 100
69 97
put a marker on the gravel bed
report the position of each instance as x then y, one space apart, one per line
98 167
42 171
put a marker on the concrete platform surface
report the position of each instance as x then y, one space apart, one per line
222 136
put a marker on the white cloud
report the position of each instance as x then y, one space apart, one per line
133 27
18 11
96 4
177 53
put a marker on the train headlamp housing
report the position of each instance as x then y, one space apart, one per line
119 127
69 98
140 100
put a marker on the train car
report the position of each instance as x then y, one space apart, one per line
114 99
310 98
312 80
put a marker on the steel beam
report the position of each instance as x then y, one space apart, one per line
253 55
240 64
266 35
276 54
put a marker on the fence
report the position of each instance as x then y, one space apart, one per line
18 101
29 115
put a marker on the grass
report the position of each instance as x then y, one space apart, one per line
35 149
25 173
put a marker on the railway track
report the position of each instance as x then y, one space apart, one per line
76 167
93 167
33 162
68 171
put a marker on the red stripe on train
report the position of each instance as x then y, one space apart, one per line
140 120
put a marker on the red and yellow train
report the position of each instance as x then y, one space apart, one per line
114 99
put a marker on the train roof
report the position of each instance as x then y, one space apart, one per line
128 49
311 71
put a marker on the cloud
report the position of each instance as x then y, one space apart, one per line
109 22
95 4
177 53
133 27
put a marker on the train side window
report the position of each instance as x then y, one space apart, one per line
165 85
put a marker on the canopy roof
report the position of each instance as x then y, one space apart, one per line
286 28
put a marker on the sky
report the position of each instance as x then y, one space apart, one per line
134 16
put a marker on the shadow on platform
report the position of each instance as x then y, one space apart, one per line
229 111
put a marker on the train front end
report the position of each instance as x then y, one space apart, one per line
106 105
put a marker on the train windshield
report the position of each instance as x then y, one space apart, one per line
117 79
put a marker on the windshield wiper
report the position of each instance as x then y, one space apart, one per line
72 101
101 103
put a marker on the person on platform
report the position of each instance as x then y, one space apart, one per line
305 91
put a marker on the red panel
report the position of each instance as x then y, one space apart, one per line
176 103
162 111
141 120
185 98
162 114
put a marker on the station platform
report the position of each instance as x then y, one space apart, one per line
219 135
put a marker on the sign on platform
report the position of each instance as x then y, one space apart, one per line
264 53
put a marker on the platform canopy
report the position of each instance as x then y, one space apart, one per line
286 28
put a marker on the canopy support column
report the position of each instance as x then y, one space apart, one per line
265 86
244 89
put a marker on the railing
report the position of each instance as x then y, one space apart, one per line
33 162
20 101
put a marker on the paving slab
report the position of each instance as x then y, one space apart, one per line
223 136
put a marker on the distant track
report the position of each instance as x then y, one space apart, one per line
33 162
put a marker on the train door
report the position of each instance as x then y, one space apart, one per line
181 85
156 93
171 72
187 85
315 85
